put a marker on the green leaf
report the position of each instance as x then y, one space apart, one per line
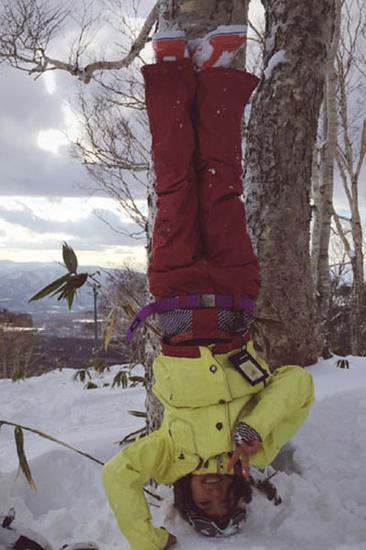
121 379
70 259
68 290
18 374
81 375
110 329
23 463
52 287
139 414
130 438
137 380
90 386
79 279
100 365
70 298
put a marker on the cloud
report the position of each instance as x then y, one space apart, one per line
27 109
86 232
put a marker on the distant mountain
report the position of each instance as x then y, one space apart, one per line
20 280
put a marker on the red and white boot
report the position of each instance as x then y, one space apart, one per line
170 45
218 47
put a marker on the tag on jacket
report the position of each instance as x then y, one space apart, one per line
248 367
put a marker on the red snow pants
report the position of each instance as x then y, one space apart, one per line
200 242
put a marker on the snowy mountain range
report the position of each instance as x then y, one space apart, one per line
20 280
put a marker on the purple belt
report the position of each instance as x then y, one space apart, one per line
189 301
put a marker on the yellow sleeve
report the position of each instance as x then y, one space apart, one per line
279 410
124 477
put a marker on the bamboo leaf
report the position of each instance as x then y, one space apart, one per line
100 365
129 310
70 259
23 463
90 386
137 379
130 438
110 329
139 414
62 288
81 375
52 287
70 298
121 379
79 279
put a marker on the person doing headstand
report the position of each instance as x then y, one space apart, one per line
223 409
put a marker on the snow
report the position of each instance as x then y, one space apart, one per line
274 61
321 478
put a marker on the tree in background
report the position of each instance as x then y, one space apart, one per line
323 188
19 344
351 152
282 131
341 154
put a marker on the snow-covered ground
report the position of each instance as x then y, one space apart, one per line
322 478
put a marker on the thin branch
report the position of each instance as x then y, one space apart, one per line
341 233
86 73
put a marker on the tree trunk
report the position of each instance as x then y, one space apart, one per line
324 204
196 17
282 134
357 261
154 409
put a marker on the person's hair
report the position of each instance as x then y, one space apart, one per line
184 503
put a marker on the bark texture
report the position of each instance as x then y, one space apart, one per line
154 409
282 134
197 17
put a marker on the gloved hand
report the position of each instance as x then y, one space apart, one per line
242 454
172 541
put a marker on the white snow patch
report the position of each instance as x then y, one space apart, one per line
203 52
322 477
276 59
225 59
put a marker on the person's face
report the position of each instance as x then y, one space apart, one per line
212 493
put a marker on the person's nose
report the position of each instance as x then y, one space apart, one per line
215 489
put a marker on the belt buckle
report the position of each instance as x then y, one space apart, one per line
207 300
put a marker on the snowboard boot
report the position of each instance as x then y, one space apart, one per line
21 537
170 46
218 47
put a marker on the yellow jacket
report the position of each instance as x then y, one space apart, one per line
204 398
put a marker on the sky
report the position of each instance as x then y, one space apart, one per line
46 197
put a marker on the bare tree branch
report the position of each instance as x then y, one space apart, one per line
27 26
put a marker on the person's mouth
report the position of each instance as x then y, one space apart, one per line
212 479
